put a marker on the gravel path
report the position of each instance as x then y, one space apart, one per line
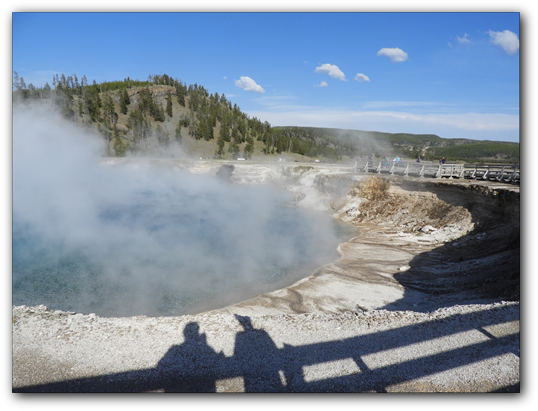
470 348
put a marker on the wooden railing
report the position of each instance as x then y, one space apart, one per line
507 173
494 172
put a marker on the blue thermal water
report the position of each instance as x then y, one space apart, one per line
171 252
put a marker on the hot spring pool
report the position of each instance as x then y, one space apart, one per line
162 248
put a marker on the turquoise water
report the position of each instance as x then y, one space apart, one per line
172 251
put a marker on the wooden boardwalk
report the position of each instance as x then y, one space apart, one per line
504 173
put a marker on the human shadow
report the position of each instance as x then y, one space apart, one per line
255 350
194 357
371 362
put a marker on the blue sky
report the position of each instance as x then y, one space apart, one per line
456 75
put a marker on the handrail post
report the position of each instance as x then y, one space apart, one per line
485 176
514 174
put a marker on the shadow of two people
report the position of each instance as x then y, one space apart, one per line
256 360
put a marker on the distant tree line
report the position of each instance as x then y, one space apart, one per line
132 113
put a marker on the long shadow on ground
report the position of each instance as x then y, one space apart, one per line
194 366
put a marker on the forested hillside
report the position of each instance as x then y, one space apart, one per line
427 146
163 115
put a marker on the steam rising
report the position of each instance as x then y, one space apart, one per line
139 238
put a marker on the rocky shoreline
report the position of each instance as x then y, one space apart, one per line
426 299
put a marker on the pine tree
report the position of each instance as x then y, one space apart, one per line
220 148
119 146
158 114
181 91
146 102
139 125
200 130
109 110
16 80
124 101
92 103
47 91
169 104
224 132
234 149
77 86
249 148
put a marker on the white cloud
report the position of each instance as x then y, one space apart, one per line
361 77
332 70
396 55
506 39
322 84
463 39
247 84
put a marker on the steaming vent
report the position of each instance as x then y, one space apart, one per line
130 238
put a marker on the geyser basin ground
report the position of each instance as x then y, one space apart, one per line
352 326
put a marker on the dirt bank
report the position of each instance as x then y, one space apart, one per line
423 245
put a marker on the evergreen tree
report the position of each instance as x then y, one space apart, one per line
139 125
77 86
184 120
209 131
16 81
234 149
20 86
119 146
103 128
224 132
109 109
47 91
92 103
145 101
124 101
220 148
249 148
200 130
181 91
158 112
169 104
